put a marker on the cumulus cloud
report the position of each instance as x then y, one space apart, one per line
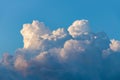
32 34
79 27
56 34
75 53
115 45
73 47
20 63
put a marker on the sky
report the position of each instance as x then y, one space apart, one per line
73 53
59 40
103 15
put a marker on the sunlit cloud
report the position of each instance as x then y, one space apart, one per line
75 53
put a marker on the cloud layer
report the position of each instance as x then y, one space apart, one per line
73 54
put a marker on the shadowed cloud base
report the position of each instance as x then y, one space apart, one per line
75 53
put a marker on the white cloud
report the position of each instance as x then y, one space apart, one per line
20 63
41 56
32 34
73 47
76 54
78 28
56 34
115 45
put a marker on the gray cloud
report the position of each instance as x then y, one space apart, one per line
73 54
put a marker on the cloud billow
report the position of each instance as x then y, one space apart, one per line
73 54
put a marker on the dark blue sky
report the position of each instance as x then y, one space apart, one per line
103 15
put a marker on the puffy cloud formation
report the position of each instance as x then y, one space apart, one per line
32 34
79 27
20 63
73 54
115 45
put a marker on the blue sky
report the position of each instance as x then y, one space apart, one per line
103 15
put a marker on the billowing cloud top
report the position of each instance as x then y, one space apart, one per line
73 54
78 28
32 33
